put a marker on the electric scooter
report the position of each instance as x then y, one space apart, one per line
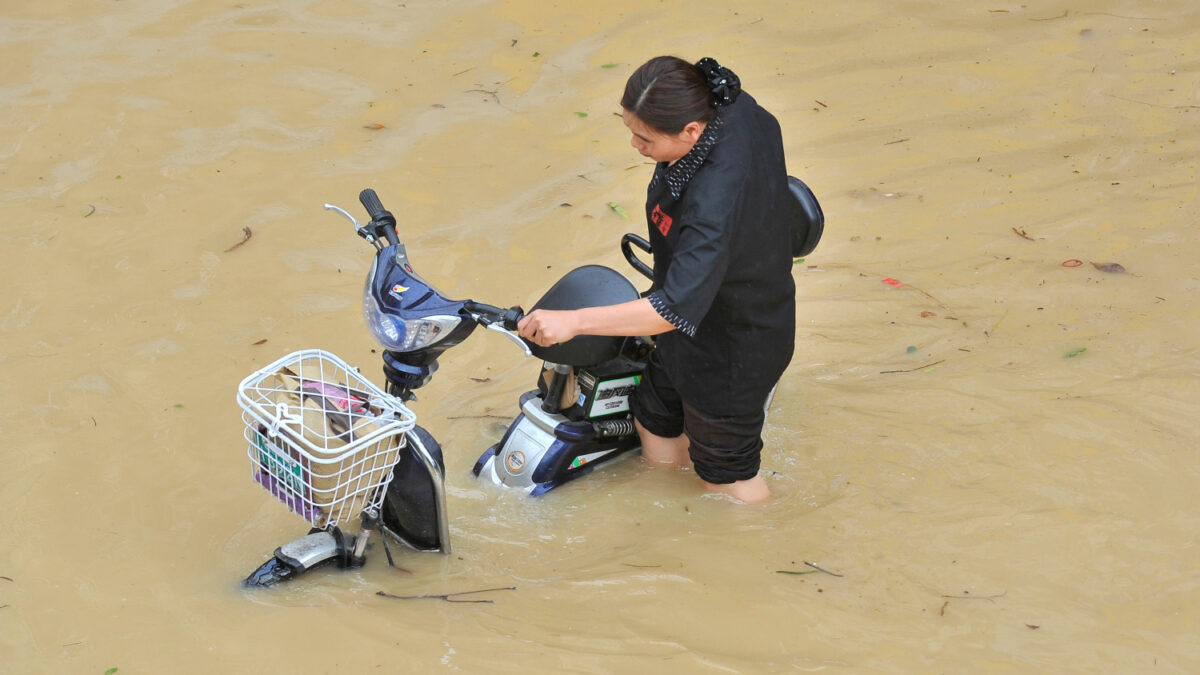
327 443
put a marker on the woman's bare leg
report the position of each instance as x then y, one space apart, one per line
663 450
749 491
673 452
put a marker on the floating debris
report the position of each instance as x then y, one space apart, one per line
926 368
246 234
448 597
620 211
819 569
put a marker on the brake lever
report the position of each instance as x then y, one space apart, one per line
358 229
510 335
496 318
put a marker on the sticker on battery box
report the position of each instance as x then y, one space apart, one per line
612 396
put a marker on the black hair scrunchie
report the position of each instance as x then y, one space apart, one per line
722 82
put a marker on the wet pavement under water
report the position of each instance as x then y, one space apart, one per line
989 455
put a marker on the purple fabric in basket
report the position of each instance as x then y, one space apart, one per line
290 499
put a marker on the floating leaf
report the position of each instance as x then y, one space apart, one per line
1111 268
797 261
374 125
610 65
110 671
178 405
581 114
1074 352
620 211
536 54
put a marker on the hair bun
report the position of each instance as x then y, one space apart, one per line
722 82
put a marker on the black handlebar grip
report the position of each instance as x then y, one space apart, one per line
513 316
371 203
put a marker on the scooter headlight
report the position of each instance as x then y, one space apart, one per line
396 334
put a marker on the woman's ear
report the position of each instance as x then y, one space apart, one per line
691 132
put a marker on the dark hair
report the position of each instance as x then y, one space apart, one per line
667 93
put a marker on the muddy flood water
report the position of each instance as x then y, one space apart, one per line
985 441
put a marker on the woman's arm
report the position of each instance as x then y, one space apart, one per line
548 327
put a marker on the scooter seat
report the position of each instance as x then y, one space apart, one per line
587 286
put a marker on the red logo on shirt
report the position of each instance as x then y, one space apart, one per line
661 219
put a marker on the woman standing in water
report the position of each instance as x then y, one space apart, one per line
723 299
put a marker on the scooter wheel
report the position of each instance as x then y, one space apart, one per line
269 573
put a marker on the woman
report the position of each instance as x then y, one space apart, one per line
723 299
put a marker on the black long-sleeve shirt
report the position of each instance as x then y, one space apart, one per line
722 262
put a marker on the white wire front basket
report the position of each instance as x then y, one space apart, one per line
321 438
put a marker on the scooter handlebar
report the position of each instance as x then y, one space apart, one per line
490 314
382 221
371 203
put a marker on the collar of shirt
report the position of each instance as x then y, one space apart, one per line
680 173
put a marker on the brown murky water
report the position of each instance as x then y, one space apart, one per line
990 504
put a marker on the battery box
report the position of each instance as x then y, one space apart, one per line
605 390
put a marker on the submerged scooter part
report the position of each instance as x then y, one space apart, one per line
317 549
413 513
579 417
541 450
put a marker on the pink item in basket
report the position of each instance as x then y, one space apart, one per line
345 399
